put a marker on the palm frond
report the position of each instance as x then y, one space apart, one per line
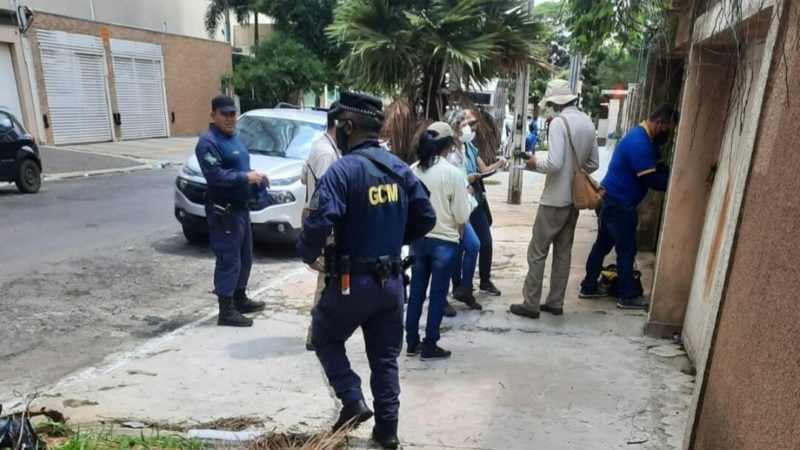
214 15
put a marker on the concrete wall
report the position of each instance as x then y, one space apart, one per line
751 395
184 17
721 215
697 146
193 69
707 181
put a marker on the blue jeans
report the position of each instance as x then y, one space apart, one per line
466 258
618 223
435 259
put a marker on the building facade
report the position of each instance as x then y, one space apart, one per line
80 80
727 267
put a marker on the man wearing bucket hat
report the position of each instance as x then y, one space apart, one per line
556 217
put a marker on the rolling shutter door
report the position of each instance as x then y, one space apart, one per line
139 79
75 83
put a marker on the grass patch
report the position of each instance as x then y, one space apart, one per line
59 436
106 439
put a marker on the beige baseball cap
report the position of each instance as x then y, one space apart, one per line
441 130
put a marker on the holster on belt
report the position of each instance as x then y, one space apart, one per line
223 212
331 261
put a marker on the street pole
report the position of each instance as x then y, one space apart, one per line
575 72
520 128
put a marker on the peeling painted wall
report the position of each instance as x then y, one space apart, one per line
721 215
750 396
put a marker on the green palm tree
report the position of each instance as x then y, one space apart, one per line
431 51
217 13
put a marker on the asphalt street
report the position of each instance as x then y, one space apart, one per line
94 266
81 217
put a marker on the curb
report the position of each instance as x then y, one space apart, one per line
147 165
144 164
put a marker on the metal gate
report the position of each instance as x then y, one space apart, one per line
74 69
9 95
139 79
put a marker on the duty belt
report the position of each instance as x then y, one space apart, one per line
381 267
228 205
367 266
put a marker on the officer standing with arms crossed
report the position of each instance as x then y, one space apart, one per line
374 204
232 186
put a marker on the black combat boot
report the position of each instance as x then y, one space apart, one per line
229 316
386 438
352 415
244 305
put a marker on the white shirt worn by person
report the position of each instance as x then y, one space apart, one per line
323 154
558 164
449 198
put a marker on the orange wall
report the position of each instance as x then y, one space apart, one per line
751 396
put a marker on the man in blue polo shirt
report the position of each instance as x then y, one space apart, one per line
635 168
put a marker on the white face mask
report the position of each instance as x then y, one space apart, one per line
467 135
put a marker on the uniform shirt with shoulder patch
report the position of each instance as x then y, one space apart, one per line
634 157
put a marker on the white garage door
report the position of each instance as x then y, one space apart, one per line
9 95
139 78
75 82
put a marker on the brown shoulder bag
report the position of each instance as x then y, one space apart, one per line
586 191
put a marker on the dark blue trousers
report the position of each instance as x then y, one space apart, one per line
378 311
617 230
480 222
234 251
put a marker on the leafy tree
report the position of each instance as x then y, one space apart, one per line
608 67
555 35
632 23
279 71
306 21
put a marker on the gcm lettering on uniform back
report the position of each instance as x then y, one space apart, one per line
383 193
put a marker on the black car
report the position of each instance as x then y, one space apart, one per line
19 155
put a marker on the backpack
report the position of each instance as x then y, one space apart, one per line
608 281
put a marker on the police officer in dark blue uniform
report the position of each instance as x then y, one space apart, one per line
232 187
374 204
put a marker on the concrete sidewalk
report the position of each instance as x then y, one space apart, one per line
170 150
113 157
584 380
59 163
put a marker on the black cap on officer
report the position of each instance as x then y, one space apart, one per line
361 104
223 103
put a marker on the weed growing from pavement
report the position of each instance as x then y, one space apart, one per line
106 439
61 437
